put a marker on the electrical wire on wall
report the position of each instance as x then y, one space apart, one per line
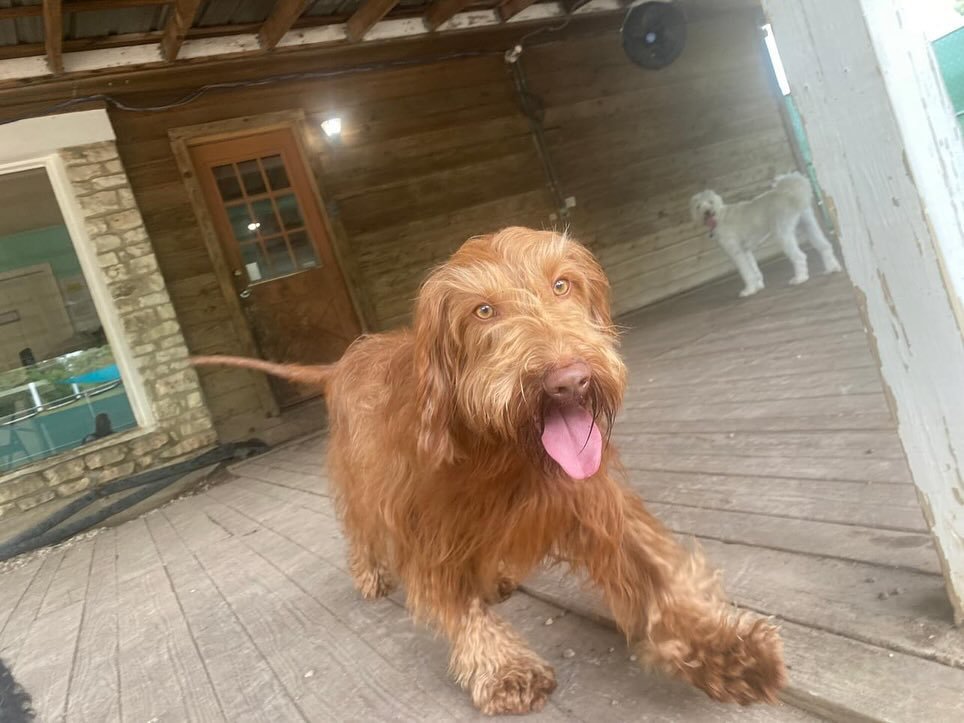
115 102
534 110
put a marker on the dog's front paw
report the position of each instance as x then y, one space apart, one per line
519 687
833 267
797 280
750 291
748 669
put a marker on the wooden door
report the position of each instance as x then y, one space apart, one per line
275 241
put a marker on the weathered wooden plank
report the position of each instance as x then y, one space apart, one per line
283 16
442 11
511 8
54 35
853 469
244 683
16 581
291 476
883 445
830 675
179 20
69 585
154 641
310 648
365 17
845 353
43 665
597 678
884 506
94 692
292 495
25 609
886 548
703 421
900 610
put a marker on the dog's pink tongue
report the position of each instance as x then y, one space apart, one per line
711 223
572 439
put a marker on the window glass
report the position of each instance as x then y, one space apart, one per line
59 384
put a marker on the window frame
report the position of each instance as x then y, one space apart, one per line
70 210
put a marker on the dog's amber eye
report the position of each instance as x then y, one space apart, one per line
485 311
561 287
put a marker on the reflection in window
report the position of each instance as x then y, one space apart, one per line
59 383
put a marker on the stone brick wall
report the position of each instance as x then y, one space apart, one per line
126 259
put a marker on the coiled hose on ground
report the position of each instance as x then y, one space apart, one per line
50 531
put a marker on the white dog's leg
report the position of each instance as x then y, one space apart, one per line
756 270
816 238
746 265
788 242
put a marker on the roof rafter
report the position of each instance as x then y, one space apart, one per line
513 7
54 35
365 17
179 22
573 5
283 16
442 11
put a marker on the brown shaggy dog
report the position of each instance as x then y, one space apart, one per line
470 449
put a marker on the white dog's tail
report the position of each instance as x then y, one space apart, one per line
796 187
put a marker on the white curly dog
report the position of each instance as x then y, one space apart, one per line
741 228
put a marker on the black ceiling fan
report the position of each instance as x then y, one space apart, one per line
654 34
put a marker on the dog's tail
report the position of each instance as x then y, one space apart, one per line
310 375
795 187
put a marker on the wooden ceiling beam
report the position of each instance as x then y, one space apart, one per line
365 17
16 93
283 16
513 7
78 6
54 35
442 11
179 22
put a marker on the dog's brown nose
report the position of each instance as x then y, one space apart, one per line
568 383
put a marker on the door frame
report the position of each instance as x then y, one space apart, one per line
183 139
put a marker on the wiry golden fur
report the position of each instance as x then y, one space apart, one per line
442 483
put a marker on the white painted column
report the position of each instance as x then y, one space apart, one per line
889 155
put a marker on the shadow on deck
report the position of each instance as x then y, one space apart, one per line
758 426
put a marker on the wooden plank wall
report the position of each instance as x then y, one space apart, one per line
634 145
431 155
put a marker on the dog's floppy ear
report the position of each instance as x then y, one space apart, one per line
435 369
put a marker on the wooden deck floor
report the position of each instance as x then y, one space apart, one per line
758 426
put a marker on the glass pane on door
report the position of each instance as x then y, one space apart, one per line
265 217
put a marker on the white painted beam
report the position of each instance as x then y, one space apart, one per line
322 36
888 153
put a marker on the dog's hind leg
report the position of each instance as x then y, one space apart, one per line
814 234
370 572
664 598
790 246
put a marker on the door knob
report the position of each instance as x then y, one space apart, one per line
245 293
